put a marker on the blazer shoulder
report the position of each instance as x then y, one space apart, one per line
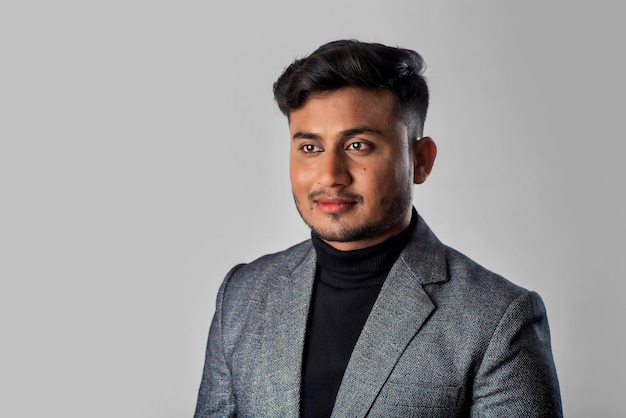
438 266
257 275
485 296
468 273
247 291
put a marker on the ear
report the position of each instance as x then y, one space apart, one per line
424 153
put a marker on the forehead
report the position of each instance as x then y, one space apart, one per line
346 106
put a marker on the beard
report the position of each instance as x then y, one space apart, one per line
392 210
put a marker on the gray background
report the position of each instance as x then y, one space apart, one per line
142 156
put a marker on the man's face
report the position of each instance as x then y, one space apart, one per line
351 167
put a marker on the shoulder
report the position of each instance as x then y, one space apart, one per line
472 277
248 290
459 286
442 269
480 299
258 275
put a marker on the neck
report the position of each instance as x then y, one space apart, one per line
362 267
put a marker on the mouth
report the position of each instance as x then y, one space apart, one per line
334 205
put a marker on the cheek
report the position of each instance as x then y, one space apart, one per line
387 179
403 170
376 181
299 177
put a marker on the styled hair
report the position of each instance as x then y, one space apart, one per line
351 63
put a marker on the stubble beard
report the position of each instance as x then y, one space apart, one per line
399 206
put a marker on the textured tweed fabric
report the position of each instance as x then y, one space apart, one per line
445 338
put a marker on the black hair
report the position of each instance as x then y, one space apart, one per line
351 63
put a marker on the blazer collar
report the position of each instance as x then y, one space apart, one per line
400 311
282 348
425 255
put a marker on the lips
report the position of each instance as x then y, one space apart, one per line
334 205
334 202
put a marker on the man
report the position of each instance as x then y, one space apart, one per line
373 316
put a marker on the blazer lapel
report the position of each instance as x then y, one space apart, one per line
400 311
283 348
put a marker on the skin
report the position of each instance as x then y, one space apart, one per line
352 166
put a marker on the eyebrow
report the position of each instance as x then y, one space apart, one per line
348 133
304 135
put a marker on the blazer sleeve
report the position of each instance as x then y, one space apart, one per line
215 397
517 377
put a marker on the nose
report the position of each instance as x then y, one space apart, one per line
334 170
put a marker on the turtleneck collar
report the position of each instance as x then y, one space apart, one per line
360 268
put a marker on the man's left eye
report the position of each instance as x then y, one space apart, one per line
357 146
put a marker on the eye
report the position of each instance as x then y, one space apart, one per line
310 148
358 146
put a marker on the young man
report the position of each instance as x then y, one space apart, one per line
373 316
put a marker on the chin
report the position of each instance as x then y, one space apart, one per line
344 233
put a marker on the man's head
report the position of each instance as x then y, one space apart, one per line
356 114
350 63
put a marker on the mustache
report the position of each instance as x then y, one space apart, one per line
342 194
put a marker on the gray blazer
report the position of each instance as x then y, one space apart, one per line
445 338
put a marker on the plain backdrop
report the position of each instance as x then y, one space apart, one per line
142 156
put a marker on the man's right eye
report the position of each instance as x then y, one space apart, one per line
310 148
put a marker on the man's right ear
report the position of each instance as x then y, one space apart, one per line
424 154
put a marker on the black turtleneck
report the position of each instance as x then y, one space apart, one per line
347 284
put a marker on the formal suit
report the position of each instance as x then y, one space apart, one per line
445 338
